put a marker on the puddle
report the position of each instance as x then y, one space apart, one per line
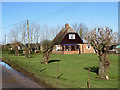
6 65
9 67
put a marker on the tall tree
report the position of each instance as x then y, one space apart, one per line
101 39
37 34
23 31
24 37
54 31
13 37
81 29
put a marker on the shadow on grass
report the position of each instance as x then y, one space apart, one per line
43 70
93 69
59 76
31 55
50 61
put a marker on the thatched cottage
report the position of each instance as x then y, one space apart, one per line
67 41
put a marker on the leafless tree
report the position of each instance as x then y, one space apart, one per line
23 31
34 34
57 29
24 37
20 33
37 34
13 35
31 33
54 30
81 29
101 39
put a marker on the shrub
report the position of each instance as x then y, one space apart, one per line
21 51
11 51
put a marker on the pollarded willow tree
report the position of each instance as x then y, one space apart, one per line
47 47
101 39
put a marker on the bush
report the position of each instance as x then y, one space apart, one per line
11 51
40 51
21 51
5 51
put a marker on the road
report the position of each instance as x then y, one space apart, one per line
13 79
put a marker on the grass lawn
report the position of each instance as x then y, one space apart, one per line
73 68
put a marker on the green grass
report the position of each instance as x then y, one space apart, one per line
72 68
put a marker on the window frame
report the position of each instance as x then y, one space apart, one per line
72 35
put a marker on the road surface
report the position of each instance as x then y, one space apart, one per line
13 79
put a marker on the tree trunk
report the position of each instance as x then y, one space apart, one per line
102 68
26 52
46 58
16 51
101 73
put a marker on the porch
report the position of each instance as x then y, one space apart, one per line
67 49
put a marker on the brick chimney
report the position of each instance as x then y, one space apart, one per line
66 25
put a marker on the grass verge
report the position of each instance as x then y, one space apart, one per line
71 70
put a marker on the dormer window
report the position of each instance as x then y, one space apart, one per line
71 36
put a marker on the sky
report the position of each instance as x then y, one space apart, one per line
91 14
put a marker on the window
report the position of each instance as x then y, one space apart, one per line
88 46
57 47
71 36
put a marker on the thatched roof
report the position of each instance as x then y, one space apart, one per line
59 37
